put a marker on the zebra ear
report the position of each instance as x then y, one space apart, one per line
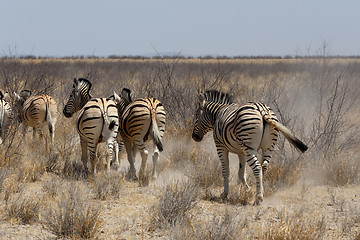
127 95
201 99
116 97
2 95
6 95
17 97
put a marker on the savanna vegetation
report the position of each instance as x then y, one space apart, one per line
314 195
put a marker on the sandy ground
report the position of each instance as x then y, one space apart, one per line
129 216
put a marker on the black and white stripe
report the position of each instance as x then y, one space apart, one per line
141 119
5 115
97 122
242 130
36 112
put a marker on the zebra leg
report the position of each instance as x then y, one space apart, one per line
242 170
253 162
40 132
84 156
112 150
266 155
111 145
224 159
52 131
92 156
117 149
144 156
130 156
155 158
34 133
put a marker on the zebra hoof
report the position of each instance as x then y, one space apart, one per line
224 197
132 177
258 201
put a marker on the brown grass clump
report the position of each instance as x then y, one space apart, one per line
294 225
24 207
220 227
174 205
205 169
10 186
52 186
280 175
341 171
107 185
72 215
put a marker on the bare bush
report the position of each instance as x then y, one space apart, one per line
73 215
175 203
52 186
205 169
24 207
294 226
220 227
107 185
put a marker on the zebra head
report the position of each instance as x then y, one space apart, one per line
79 96
209 104
19 101
202 122
123 100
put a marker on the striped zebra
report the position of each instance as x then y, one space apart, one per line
242 130
140 119
36 112
97 122
5 115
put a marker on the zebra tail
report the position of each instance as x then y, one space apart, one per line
49 117
109 124
155 133
289 136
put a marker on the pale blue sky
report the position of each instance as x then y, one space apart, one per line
137 27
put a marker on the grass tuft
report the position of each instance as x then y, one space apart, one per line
175 202
72 215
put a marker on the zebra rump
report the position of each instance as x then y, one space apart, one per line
5 115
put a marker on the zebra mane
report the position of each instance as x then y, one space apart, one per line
217 97
85 82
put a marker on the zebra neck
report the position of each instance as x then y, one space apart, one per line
121 105
84 100
213 110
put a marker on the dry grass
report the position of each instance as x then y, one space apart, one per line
24 207
317 99
71 215
293 225
219 227
107 185
175 202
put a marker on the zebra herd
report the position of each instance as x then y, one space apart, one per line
119 120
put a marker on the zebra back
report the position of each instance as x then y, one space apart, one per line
95 115
143 117
36 109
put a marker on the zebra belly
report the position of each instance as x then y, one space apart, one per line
236 136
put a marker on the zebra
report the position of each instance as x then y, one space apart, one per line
36 112
242 130
5 115
140 119
97 122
